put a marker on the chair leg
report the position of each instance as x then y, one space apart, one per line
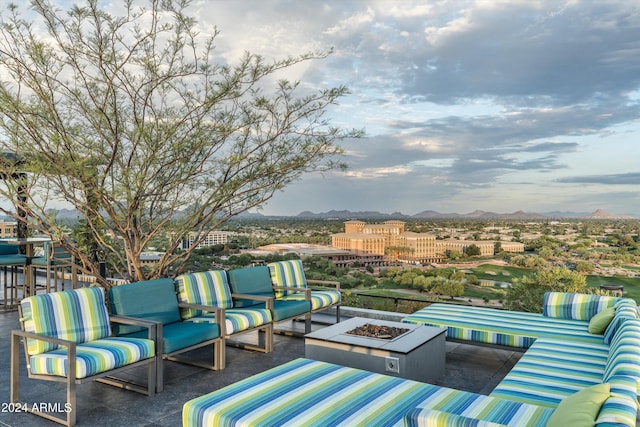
338 313
15 366
307 323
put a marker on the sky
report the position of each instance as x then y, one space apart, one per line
495 105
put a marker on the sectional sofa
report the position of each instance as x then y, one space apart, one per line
581 367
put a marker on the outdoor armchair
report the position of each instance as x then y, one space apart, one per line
67 338
289 279
252 287
211 289
156 301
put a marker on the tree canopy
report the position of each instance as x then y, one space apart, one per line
133 121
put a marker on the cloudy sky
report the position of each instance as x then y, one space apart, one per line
499 105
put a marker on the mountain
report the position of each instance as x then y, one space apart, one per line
477 214
600 214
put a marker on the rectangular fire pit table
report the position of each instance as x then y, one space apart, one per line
418 354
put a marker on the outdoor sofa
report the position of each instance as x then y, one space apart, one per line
566 373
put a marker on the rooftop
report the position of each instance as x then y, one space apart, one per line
472 368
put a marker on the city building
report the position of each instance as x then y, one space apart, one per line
392 241
212 238
8 228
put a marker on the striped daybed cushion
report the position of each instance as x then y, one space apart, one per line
500 327
553 369
311 393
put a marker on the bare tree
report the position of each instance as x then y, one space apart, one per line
129 120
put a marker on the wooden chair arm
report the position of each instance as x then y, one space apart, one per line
307 291
39 337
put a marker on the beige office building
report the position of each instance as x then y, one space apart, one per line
8 229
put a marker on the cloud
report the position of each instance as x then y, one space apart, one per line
631 178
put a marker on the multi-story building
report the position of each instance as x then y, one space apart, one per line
391 240
212 238
8 228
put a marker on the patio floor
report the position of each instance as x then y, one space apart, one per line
472 368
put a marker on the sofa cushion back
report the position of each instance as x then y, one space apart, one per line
151 300
8 249
208 288
289 274
251 280
626 309
79 315
569 305
624 351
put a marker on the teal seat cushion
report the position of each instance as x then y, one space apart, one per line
152 300
252 280
290 308
14 259
179 335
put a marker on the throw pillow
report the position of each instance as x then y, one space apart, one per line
598 323
581 408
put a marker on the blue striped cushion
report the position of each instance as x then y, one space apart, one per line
289 274
500 327
624 352
238 319
551 370
620 409
432 418
208 288
94 357
79 315
625 309
568 305
313 393
319 299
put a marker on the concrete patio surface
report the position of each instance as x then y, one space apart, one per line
472 368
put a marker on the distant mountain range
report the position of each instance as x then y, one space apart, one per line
477 214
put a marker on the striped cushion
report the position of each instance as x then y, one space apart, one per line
569 305
621 408
552 370
289 274
624 352
79 315
94 357
313 393
500 327
625 309
431 418
239 319
319 299
208 288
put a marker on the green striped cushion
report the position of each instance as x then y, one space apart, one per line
313 393
625 309
431 418
238 319
94 357
621 407
319 299
624 352
500 327
289 274
208 288
568 305
553 369
79 315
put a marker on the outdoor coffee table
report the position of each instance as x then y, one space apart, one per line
418 354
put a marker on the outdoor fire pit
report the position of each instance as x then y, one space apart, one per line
403 350
382 332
